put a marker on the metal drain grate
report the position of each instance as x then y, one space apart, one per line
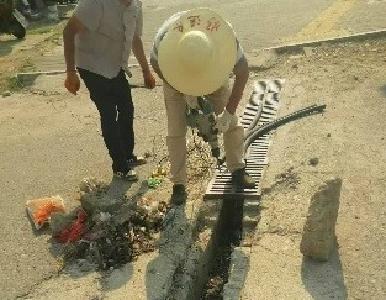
266 93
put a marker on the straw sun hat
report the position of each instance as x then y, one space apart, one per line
198 52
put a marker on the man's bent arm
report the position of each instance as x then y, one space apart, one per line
154 64
242 74
139 53
73 27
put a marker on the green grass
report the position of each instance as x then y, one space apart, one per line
44 26
39 30
14 84
40 27
27 66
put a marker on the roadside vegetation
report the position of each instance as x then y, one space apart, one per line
17 56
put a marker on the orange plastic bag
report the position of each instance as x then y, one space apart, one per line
40 210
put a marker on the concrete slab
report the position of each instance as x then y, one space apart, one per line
238 273
280 272
346 140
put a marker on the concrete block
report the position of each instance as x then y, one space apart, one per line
231 294
262 59
251 220
308 51
318 238
238 274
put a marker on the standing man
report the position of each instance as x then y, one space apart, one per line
98 40
194 52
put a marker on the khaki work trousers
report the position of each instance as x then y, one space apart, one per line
175 105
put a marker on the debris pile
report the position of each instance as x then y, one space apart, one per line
214 288
107 231
199 159
288 178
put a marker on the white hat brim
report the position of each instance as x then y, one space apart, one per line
221 65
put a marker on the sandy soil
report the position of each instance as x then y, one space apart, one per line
349 142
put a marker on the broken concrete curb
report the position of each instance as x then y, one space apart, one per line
28 78
298 47
199 259
238 273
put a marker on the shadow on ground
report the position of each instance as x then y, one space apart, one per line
324 280
7 46
383 90
323 275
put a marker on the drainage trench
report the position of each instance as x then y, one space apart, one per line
217 263
239 214
228 236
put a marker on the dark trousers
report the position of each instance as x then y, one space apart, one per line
112 98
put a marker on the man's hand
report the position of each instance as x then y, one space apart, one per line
224 121
137 46
148 79
72 82
73 27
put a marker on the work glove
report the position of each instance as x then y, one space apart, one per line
224 121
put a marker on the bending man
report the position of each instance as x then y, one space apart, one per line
194 52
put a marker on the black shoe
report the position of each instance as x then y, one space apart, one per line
179 195
134 161
242 180
129 175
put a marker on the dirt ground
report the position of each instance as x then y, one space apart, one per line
347 142
50 141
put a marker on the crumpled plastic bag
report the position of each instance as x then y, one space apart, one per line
75 231
40 210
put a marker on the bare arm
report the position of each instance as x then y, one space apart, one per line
139 53
242 74
137 47
157 70
73 27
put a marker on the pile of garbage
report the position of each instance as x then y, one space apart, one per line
106 231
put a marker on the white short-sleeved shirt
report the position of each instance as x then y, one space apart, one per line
105 47
164 29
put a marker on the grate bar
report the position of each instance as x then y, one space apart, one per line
266 92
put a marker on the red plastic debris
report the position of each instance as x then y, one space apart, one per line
75 231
